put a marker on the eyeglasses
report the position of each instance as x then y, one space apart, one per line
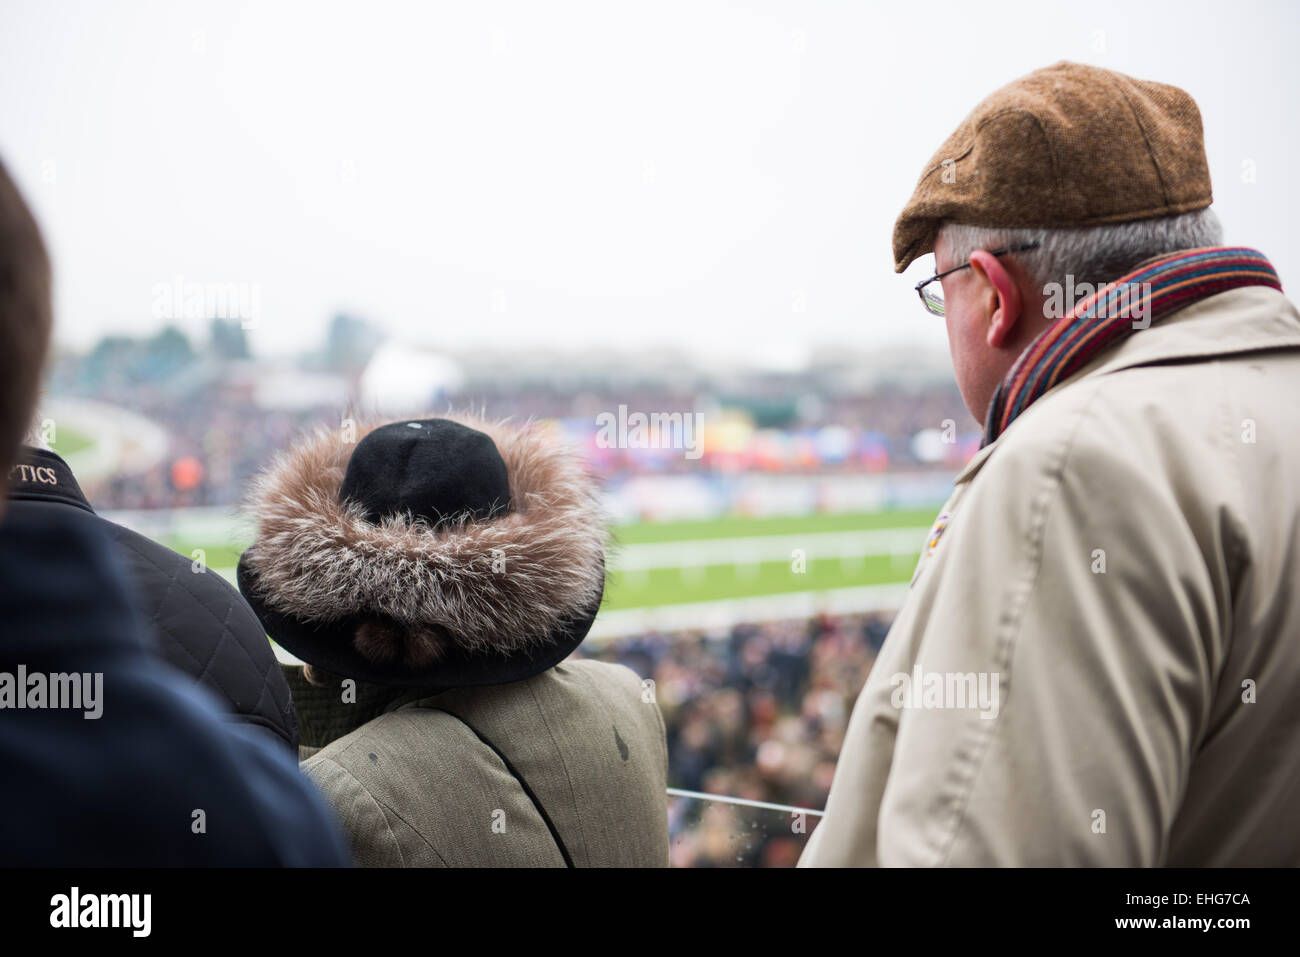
932 297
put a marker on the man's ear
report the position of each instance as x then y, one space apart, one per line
1006 309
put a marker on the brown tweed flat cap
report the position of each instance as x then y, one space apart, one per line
1067 145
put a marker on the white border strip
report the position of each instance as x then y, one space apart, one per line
744 802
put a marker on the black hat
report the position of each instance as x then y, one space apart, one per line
435 469
434 553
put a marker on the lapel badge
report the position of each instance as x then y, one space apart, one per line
940 524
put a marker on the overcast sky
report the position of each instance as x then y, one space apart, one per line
719 176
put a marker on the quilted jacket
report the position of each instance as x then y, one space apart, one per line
201 624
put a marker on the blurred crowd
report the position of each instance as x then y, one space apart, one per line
221 430
217 444
758 712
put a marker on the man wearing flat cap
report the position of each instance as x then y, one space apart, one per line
1098 662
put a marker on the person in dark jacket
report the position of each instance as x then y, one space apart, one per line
111 757
201 624
439 573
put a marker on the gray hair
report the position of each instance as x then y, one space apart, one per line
1092 254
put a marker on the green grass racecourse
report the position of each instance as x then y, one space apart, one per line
70 441
740 527
671 586
668 563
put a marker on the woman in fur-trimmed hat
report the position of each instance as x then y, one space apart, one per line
435 575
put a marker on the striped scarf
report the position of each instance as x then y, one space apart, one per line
1151 291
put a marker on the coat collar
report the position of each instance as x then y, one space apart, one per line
43 476
332 709
1236 322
